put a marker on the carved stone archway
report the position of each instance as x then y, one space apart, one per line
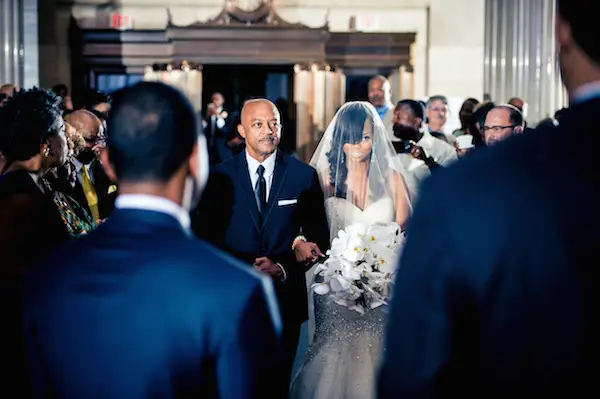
258 37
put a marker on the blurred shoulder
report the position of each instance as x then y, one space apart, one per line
498 169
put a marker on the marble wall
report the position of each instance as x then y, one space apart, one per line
19 42
520 56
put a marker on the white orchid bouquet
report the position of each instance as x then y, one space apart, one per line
360 267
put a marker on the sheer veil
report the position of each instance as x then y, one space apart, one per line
357 164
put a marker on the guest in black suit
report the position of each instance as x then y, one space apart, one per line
218 129
139 308
254 207
497 293
92 188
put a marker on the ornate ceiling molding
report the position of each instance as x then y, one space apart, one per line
265 16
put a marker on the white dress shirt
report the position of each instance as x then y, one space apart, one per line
441 152
79 166
586 92
268 164
155 203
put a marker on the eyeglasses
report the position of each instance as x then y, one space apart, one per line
497 128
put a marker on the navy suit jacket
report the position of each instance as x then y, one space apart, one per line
141 309
497 291
228 217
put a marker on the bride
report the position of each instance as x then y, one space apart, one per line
362 183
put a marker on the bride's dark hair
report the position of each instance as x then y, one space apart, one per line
348 128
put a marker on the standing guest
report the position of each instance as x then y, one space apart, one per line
139 308
498 296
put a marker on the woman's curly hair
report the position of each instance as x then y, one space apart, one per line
28 119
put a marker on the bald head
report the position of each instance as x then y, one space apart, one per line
86 123
261 127
380 91
7 89
250 106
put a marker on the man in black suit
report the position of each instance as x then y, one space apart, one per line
139 308
92 188
497 291
256 205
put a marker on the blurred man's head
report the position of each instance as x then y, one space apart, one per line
408 118
380 91
578 44
502 122
519 104
154 146
89 127
6 91
218 100
437 112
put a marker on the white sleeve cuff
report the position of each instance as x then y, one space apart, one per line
284 277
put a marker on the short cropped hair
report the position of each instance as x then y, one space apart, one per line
153 129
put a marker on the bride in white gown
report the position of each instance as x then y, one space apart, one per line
362 183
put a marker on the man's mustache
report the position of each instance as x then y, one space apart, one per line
269 138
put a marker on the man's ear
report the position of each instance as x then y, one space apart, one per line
562 33
518 129
107 166
241 131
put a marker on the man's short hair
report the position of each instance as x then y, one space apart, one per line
581 20
437 97
153 130
515 116
414 107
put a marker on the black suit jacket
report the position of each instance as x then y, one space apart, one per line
497 291
228 217
102 184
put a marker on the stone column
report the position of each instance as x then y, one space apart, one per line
520 57
11 42
318 93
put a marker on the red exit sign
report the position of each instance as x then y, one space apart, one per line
120 21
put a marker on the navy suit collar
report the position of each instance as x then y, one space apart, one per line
144 220
248 190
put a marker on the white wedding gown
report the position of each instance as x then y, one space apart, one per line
342 361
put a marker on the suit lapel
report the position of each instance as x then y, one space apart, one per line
247 189
278 179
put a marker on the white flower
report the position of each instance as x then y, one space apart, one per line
382 235
320 288
359 271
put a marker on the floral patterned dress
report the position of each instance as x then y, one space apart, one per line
77 219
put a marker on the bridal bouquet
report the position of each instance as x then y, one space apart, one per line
361 265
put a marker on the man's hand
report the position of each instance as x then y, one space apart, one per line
267 266
418 153
307 252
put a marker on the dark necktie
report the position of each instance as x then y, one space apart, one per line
260 190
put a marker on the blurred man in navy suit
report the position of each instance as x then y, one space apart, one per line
497 293
139 308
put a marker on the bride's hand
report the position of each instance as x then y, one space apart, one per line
307 251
